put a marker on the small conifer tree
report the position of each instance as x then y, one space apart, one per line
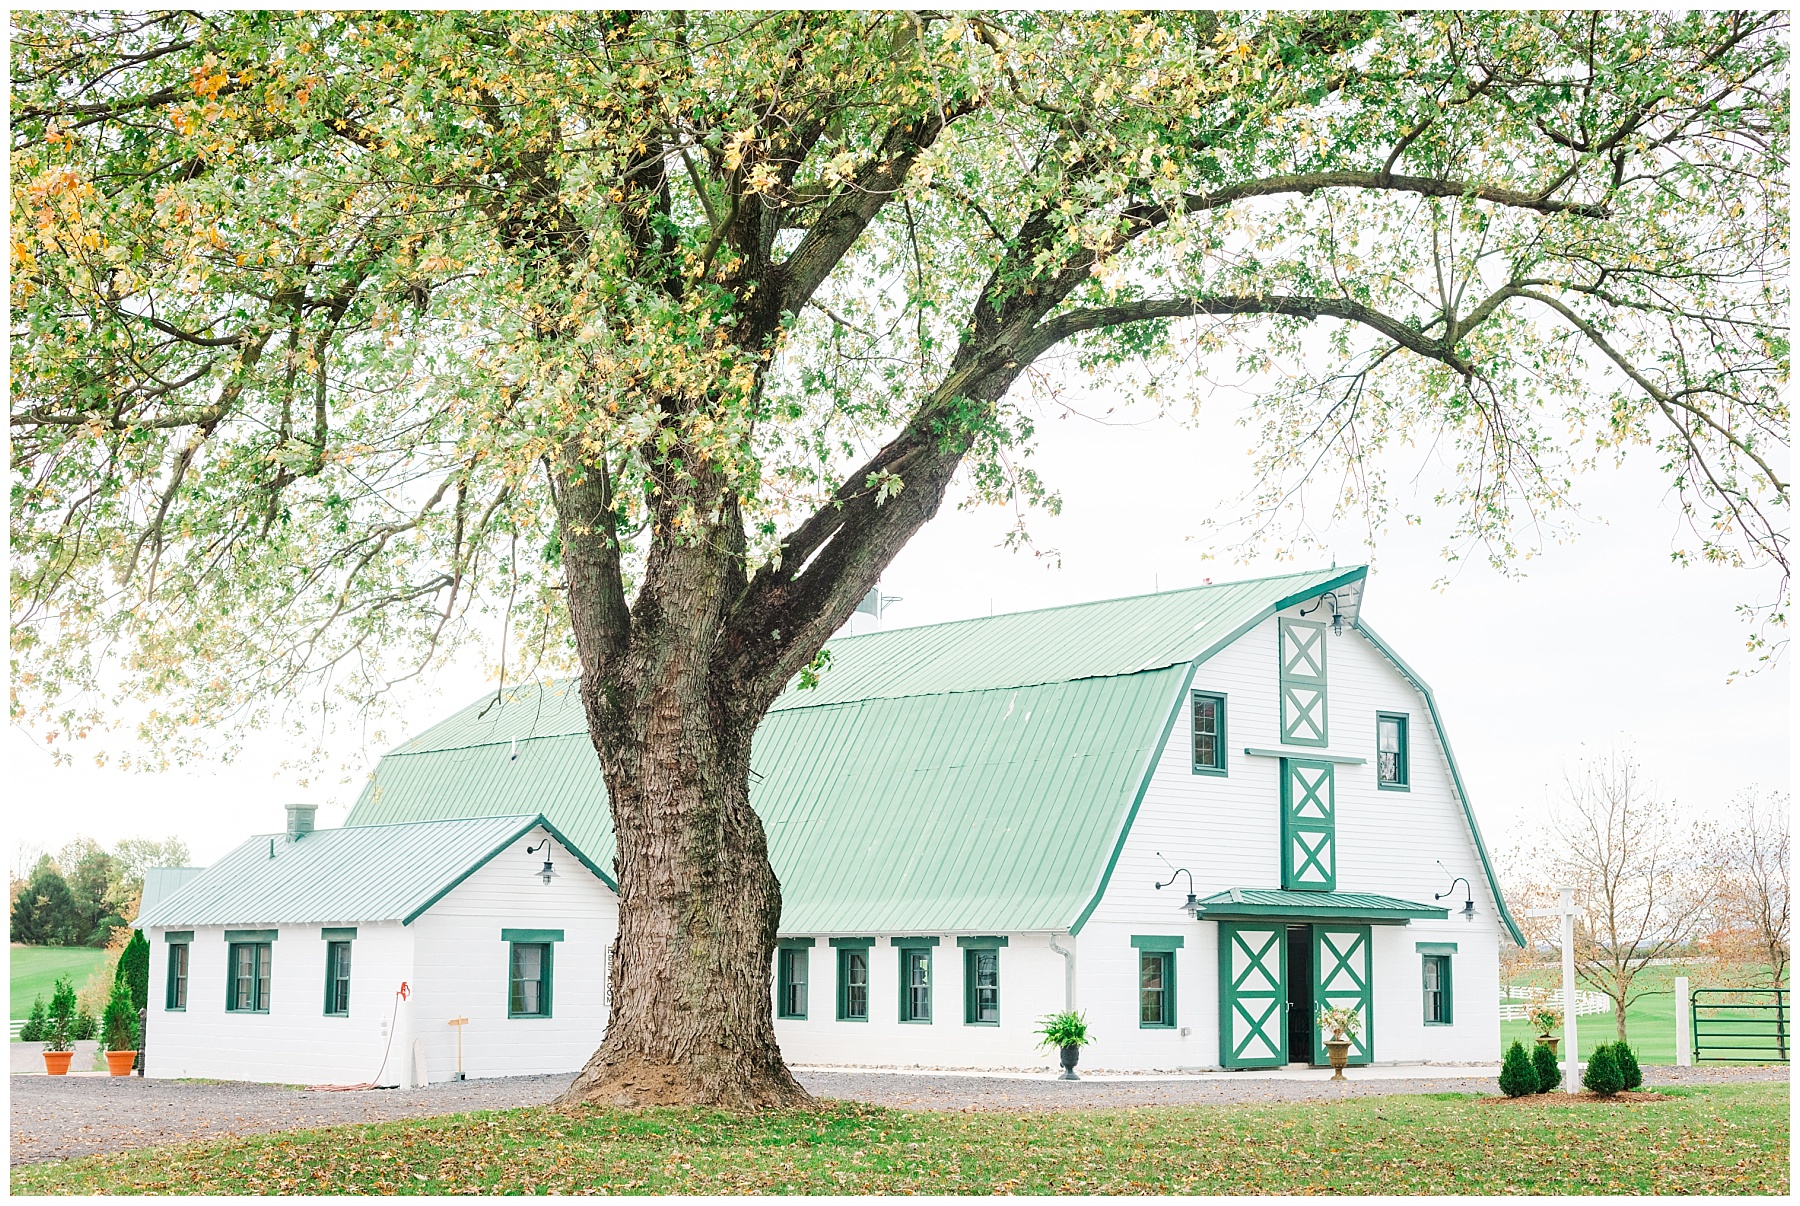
1603 1075
1543 1062
119 1024
37 1026
1516 1077
1629 1071
134 969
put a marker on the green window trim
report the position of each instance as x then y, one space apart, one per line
1437 983
258 980
338 933
1300 666
796 944
1163 958
178 936
1435 948
982 942
1220 763
853 943
516 994
337 976
1158 942
852 957
791 990
251 935
1402 769
915 998
981 985
175 990
531 935
912 942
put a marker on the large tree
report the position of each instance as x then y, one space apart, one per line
664 332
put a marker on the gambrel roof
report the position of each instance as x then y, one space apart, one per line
972 776
367 873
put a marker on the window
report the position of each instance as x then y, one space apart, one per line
1156 989
790 980
1390 751
1438 997
247 989
915 984
981 978
853 984
337 979
529 995
176 997
1209 734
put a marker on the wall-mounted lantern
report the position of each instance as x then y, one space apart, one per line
549 871
1467 912
1173 872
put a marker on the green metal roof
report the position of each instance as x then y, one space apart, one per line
366 873
978 775
1313 906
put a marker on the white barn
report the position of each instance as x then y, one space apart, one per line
1194 815
285 960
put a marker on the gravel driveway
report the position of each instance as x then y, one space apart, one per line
56 1118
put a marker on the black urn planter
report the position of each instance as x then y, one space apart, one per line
1071 1055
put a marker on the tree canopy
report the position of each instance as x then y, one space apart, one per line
334 333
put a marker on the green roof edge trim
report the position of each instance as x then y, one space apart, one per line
489 857
1462 792
1226 910
1355 574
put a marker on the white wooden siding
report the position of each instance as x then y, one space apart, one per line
1031 986
454 964
1226 831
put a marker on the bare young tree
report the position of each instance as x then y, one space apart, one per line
1637 871
1751 890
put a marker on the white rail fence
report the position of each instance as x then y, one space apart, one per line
1585 1002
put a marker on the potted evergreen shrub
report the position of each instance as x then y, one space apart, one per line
1068 1033
119 1029
59 1042
1341 1023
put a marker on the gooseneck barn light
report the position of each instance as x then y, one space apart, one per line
549 871
1337 616
1468 909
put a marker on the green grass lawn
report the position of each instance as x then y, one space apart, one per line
1717 1139
1650 1023
35 968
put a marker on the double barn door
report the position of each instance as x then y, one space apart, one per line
1255 993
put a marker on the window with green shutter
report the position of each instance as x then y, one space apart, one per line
981 982
1439 1000
1208 718
530 980
1391 769
247 985
337 979
853 984
175 998
1156 989
915 984
1301 649
791 981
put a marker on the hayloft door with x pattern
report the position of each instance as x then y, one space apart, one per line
1253 994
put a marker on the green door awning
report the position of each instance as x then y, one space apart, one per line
1235 904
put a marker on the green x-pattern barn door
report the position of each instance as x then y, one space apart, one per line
1303 711
1252 994
1308 826
1341 969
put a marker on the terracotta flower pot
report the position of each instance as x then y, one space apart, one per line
1339 1051
1071 1055
119 1063
56 1063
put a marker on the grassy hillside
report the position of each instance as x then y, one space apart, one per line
35 968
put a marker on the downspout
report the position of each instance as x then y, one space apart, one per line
1068 973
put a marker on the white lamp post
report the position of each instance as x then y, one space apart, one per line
1571 1046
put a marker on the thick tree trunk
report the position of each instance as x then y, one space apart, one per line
691 1011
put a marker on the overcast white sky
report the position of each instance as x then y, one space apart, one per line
1603 641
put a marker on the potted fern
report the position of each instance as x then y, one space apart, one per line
1342 1023
1068 1033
